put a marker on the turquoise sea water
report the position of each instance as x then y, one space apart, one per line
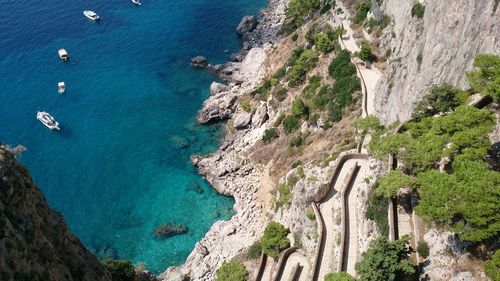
117 168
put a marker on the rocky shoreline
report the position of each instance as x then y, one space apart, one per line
227 169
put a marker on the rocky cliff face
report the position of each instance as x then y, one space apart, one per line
35 243
434 49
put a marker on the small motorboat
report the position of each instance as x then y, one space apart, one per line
47 120
61 87
91 15
63 54
137 2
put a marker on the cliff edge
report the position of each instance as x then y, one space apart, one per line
35 243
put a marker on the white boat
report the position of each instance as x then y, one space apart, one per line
137 2
47 120
61 87
91 15
63 54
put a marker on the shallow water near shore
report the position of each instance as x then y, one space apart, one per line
120 166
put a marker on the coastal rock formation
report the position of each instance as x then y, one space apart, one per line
247 24
35 242
199 61
434 49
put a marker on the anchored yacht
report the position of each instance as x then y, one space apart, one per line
47 120
137 2
63 54
61 87
91 15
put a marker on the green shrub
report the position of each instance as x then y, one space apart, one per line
295 36
418 10
297 141
389 185
334 112
280 73
269 135
301 66
254 251
294 57
377 212
366 53
440 99
232 271
299 109
279 120
290 123
280 93
339 276
386 260
298 10
362 12
368 125
274 239
245 105
423 249
310 215
486 78
324 43
341 65
492 267
264 89
285 195
344 88
310 33
121 270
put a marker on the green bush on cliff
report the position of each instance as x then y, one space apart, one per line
362 12
232 271
423 249
324 43
389 185
377 212
339 276
439 99
299 109
464 197
492 267
366 53
121 270
301 66
341 66
486 78
386 260
270 135
274 239
290 123
418 10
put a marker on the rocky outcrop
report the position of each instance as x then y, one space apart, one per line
199 61
35 243
247 24
434 49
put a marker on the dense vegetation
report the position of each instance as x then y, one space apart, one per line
377 212
440 99
121 270
299 10
386 260
339 276
418 10
232 271
274 239
362 11
492 267
486 78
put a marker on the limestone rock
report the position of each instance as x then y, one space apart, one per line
242 120
199 61
247 24
216 88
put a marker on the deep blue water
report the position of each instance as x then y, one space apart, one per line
116 170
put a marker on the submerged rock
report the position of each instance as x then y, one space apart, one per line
168 230
199 61
179 142
247 24
194 186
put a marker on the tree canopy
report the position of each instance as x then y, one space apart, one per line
389 185
440 99
492 267
386 260
485 78
339 276
274 239
232 271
